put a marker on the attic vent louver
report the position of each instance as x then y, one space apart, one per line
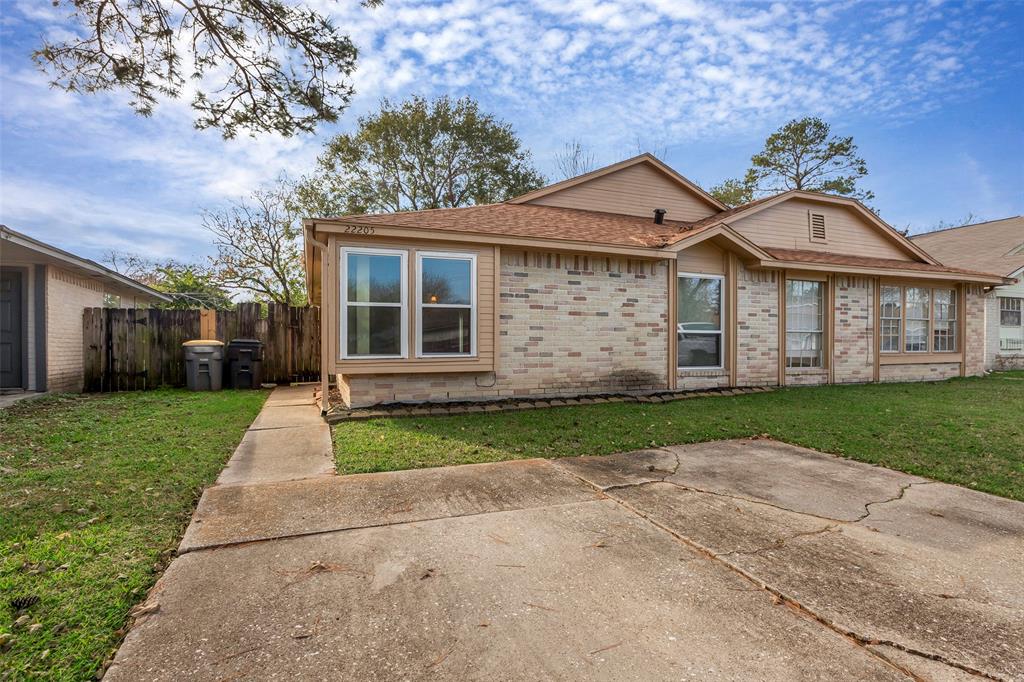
817 224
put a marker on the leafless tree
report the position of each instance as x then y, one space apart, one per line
574 159
257 246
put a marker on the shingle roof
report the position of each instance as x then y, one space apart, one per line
995 246
826 258
532 220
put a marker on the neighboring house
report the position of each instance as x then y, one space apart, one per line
632 278
996 246
43 291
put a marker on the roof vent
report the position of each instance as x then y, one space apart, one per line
659 216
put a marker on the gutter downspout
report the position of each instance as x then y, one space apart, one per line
325 382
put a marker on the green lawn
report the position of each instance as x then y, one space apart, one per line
964 431
95 492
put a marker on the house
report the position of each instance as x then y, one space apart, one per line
43 291
632 278
994 246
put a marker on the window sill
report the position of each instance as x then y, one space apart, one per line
807 370
919 358
696 372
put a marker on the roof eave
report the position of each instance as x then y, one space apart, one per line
71 259
978 278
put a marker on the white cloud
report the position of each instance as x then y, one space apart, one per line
604 71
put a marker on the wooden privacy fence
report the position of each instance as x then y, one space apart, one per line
133 349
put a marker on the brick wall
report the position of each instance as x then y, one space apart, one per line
854 357
567 325
974 305
919 372
757 313
66 296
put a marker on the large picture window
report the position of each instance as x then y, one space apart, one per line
699 322
919 320
1011 324
446 304
373 298
804 323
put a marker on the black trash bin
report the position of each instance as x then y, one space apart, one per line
203 358
245 363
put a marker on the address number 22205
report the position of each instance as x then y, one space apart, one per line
358 229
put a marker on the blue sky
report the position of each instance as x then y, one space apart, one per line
932 92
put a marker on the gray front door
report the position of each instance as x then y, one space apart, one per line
11 321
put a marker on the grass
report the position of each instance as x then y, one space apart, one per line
964 431
95 492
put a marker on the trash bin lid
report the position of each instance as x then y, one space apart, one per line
203 342
245 342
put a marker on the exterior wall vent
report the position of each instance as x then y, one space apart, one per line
817 227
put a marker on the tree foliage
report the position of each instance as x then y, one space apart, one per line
800 155
190 285
258 246
274 65
419 155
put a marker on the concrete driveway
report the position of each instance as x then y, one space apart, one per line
728 560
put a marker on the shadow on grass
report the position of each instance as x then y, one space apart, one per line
964 431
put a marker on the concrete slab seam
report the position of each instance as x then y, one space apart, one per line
795 605
224 545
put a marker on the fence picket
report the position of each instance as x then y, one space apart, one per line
140 349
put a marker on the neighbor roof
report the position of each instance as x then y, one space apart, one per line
88 268
993 246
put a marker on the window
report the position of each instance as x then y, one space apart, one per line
373 286
892 319
817 226
916 339
1011 324
944 314
699 322
804 323
919 320
446 304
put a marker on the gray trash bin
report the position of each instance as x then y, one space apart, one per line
204 365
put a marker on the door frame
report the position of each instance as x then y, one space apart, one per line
22 273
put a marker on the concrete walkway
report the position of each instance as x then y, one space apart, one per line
287 441
718 561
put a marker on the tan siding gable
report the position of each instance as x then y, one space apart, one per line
786 225
704 258
634 190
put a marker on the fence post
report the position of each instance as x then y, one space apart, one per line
207 324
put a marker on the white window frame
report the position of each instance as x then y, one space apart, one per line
1004 306
927 319
420 305
820 331
954 336
403 304
882 317
721 321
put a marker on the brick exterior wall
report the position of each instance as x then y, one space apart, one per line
974 305
66 296
571 325
854 359
919 372
757 313
567 325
